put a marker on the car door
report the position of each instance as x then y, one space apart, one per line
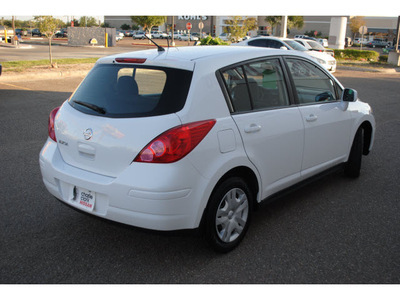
327 123
270 127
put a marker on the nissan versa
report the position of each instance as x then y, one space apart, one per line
196 137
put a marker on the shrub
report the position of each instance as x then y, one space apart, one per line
383 58
209 40
356 54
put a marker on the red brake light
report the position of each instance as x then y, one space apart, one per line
176 143
52 117
130 60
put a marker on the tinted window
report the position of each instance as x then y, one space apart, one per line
273 44
311 83
315 45
257 43
132 91
266 84
268 43
257 85
295 45
237 88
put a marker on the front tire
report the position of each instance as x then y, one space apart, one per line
353 166
228 214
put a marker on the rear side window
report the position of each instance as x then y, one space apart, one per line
256 85
266 43
120 91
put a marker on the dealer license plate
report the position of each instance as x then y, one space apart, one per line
85 199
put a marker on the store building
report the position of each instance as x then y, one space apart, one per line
382 27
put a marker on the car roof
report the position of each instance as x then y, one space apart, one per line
187 57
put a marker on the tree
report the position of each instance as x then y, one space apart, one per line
88 21
293 22
47 26
238 27
273 21
147 22
355 24
125 27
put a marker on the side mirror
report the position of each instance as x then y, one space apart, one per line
349 95
283 48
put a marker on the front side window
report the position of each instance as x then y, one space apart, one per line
311 83
256 85
119 91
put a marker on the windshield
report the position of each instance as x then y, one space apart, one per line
121 91
295 45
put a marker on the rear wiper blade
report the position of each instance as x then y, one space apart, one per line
91 106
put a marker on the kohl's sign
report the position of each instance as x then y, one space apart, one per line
187 18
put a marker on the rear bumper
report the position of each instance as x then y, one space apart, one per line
152 196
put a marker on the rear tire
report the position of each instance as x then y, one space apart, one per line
228 214
353 166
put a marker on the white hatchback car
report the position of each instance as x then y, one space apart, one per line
196 137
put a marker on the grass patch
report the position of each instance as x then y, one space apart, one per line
363 64
22 65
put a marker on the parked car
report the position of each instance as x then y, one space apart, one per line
199 136
62 33
119 36
36 32
377 43
323 42
176 35
289 44
140 35
159 35
226 37
128 33
302 36
360 41
315 46
186 37
21 32
196 34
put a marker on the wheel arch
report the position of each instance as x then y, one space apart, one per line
367 127
248 175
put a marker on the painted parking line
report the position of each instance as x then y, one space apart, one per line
16 86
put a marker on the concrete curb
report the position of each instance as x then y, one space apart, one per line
54 74
393 70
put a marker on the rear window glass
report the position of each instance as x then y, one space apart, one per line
122 91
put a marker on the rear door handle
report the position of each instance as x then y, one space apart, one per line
311 118
252 128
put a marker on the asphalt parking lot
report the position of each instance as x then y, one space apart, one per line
335 230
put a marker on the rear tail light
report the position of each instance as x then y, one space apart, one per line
52 117
176 143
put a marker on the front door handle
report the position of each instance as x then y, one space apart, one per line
311 118
252 128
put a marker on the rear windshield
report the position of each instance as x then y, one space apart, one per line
315 45
123 91
295 45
